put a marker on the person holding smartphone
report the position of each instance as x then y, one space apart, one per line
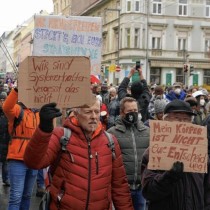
139 91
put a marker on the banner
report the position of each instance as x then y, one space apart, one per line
45 79
178 141
69 36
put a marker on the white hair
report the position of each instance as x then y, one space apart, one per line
112 89
78 109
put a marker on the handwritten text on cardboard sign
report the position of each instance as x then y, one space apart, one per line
178 141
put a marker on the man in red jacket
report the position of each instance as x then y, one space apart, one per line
86 176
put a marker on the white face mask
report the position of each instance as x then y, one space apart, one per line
139 116
202 102
177 91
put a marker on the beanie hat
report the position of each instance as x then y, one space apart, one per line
158 90
3 95
159 105
136 89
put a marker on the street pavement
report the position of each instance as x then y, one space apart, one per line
4 196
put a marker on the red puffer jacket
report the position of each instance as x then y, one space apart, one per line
89 177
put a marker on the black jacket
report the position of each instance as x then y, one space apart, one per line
164 191
4 136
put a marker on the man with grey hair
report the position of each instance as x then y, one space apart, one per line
113 107
87 176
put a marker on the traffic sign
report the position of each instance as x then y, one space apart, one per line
118 69
112 68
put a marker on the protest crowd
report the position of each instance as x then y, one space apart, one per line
83 145
104 160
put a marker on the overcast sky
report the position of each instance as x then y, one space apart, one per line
15 12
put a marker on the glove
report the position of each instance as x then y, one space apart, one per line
177 169
47 113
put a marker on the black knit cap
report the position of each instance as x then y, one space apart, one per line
178 106
136 89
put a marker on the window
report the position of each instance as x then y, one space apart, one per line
116 40
137 38
206 77
157 7
183 7
128 6
156 43
207 45
128 37
61 5
207 8
179 75
155 75
182 44
105 37
118 4
121 45
99 14
137 6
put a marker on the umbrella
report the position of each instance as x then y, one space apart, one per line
94 79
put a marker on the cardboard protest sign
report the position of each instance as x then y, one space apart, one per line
69 36
64 80
178 141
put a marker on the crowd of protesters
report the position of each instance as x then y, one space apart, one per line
123 111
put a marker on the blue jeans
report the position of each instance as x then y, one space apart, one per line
22 181
40 179
139 203
5 175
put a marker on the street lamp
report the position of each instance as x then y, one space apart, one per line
147 35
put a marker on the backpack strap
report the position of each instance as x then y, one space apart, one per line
65 138
17 121
63 142
111 144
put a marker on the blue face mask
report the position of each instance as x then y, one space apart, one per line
131 117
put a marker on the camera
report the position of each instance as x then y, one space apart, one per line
138 65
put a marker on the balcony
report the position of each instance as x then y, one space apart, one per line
181 53
156 52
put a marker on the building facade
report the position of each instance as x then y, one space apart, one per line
164 35
71 7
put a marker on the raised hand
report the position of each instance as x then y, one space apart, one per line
47 113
